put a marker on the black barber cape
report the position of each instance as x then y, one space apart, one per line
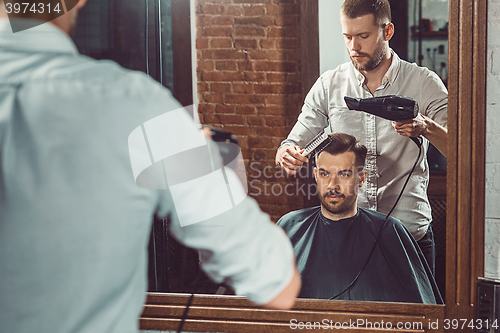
331 253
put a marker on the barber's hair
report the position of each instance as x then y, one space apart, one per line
381 10
342 143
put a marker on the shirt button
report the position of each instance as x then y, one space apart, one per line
373 207
372 139
371 117
375 95
371 162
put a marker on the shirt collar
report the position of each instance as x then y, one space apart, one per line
389 76
42 38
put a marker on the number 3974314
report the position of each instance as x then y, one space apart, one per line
34 8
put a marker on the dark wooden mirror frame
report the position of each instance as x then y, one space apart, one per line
465 208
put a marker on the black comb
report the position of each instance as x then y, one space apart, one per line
317 144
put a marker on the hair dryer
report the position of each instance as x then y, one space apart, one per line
394 108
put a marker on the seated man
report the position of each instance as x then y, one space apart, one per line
333 242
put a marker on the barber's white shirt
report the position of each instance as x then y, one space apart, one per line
390 155
74 225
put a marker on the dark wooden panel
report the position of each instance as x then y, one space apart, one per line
246 327
302 304
466 156
451 227
309 43
437 184
237 314
478 143
181 44
399 43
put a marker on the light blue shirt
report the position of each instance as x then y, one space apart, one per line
74 225
390 156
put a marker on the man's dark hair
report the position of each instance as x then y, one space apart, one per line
342 143
381 10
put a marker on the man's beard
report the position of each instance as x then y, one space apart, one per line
344 206
373 61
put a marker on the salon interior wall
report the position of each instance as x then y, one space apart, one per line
332 50
437 12
492 228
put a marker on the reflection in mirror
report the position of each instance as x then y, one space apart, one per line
426 37
248 72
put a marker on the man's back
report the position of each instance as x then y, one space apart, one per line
66 183
74 226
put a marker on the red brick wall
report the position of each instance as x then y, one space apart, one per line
248 68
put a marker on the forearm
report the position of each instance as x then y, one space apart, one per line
286 299
437 135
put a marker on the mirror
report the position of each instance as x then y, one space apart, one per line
149 46
465 205
150 55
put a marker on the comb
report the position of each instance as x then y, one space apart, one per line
317 144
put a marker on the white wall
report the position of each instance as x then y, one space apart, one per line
332 49
492 230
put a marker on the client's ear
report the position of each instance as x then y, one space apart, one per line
315 170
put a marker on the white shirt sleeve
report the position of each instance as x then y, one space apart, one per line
211 213
242 248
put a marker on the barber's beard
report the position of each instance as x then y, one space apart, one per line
373 60
344 205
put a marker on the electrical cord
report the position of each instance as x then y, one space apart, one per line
383 224
190 301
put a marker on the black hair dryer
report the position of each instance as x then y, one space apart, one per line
394 108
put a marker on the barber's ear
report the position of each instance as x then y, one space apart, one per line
388 31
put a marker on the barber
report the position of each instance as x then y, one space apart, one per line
376 70
74 225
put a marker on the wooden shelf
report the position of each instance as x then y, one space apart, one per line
430 34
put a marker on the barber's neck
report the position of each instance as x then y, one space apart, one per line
374 78
344 215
